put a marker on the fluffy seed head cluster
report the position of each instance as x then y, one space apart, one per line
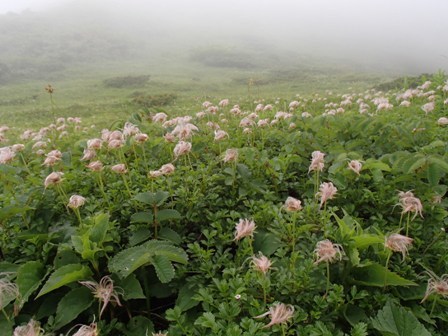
89 154
53 178
141 138
410 203
220 135
95 166
326 251
6 155
160 334
355 165
428 107
231 155
398 243
166 169
159 117
119 168
279 313
182 148
8 290
244 228
94 143
32 328
76 201
104 291
261 263
443 121
437 285
293 204
317 161
326 191
87 330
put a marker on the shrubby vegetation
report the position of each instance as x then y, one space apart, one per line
126 81
318 216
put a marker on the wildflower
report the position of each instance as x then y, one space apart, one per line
224 103
317 161
160 334
326 251
130 129
115 135
355 165
293 204
17 148
159 117
103 291
263 122
141 137
167 169
6 155
244 228
279 313
184 131
246 122
53 178
231 155
119 168
94 143
88 155
306 115
326 191
115 143
428 107
237 297
182 148
220 135
292 125
294 104
410 203
261 263
8 290
31 329
76 201
95 166
169 137
443 121
50 160
437 285
398 243
87 330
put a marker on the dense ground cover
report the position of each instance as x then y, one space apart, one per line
323 215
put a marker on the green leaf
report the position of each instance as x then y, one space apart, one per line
365 240
169 234
65 275
396 321
441 163
417 164
5 325
127 261
142 217
266 242
152 199
207 320
7 267
139 236
434 174
353 314
73 304
164 268
167 214
29 278
131 288
139 326
185 299
377 275
376 165
99 229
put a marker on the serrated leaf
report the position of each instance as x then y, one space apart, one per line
7 267
440 162
99 229
164 268
5 325
139 326
169 234
139 236
131 288
151 198
29 278
417 164
434 174
378 276
185 299
396 321
72 304
142 217
65 275
353 314
167 214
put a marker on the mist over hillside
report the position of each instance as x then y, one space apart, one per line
234 35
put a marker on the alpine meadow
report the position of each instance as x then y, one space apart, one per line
223 168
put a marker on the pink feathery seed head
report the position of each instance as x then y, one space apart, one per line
428 107
405 103
50 161
76 201
87 330
119 168
130 129
94 143
355 166
115 135
155 173
244 228
200 114
53 178
95 166
436 285
6 155
220 135
443 121
89 154
294 104
182 148
55 153
246 122
169 137
167 169
326 251
326 191
17 148
224 103
159 117
398 243
206 104
410 203
105 134
292 204
268 107
317 161
32 328
104 291
115 143
212 109
292 126
141 137
279 313
259 108
263 122
261 263
247 130
231 155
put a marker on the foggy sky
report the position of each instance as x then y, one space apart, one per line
407 34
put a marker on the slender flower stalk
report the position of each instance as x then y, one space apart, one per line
327 252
